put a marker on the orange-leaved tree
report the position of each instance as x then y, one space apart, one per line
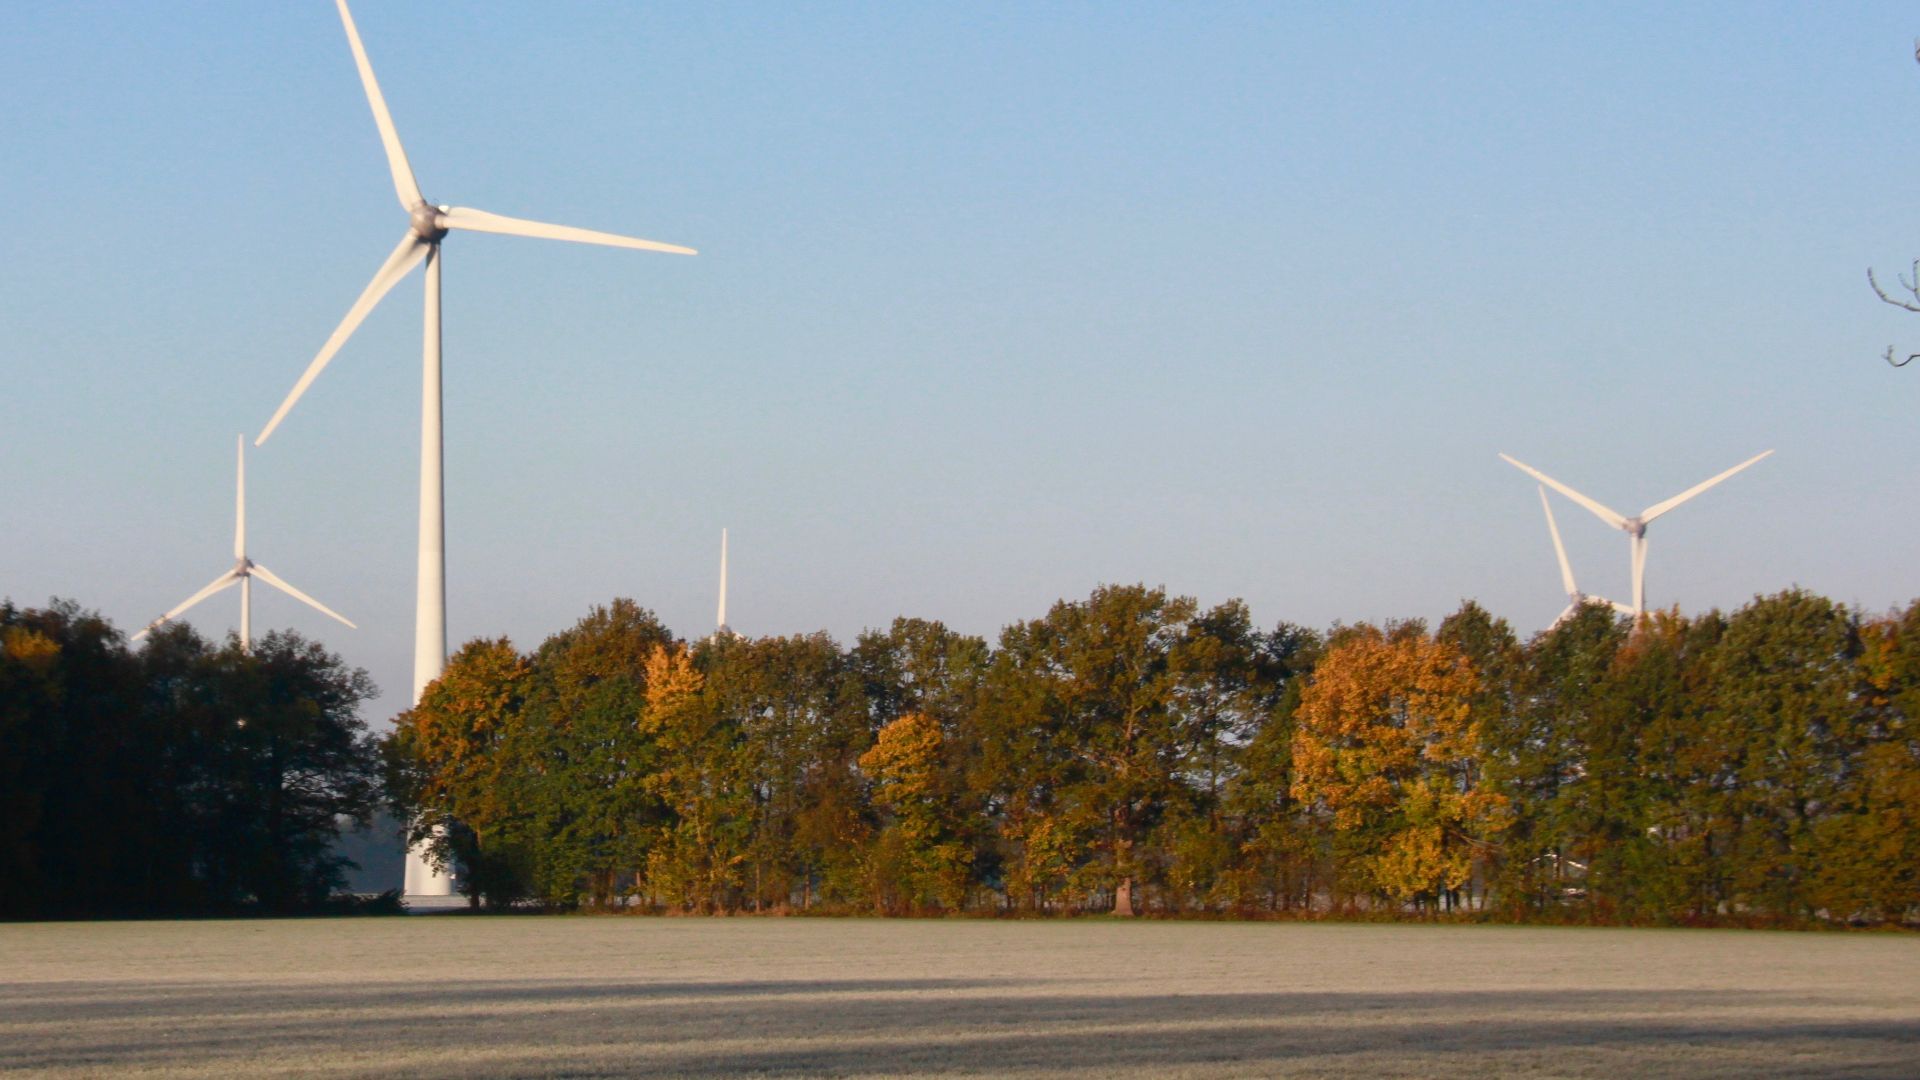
922 855
457 758
1386 748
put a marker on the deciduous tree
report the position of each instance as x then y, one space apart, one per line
1387 746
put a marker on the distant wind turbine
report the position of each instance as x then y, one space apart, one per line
428 225
243 572
1575 598
1635 527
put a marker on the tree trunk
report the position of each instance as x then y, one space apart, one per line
1123 862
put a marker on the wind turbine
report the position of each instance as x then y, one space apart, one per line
428 225
720 620
243 572
1635 527
1575 598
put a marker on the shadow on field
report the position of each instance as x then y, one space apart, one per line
60 1002
888 1026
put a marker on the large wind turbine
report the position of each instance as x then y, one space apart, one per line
1575 598
1635 527
243 572
428 225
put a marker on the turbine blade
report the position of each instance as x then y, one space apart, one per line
403 182
214 586
240 501
1559 549
1600 510
461 217
273 579
411 250
1659 508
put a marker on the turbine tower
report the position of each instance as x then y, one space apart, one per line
1575 598
243 571
720 621
1636 526
427 228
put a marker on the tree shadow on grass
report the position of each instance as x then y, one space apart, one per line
872 1027
59 1001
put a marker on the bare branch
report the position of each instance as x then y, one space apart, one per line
1882 293
1912 284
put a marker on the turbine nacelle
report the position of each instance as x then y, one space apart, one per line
428 222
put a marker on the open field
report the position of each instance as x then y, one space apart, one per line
591 996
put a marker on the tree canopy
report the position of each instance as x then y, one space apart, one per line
1133 752
1130 752
185 777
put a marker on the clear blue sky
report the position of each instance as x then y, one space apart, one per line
995 303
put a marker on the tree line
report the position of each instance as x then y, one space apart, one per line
1131 752
182 778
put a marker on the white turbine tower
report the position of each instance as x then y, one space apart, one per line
1635 527
243 572
428 226
720 620
1575 598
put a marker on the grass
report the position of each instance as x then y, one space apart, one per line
720 997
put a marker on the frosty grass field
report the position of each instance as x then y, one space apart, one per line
461 996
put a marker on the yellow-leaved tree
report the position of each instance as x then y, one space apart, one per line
920 857
694 863
1386 751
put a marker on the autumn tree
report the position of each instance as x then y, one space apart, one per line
922 854
1386 745
702 774
461 764
921 668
